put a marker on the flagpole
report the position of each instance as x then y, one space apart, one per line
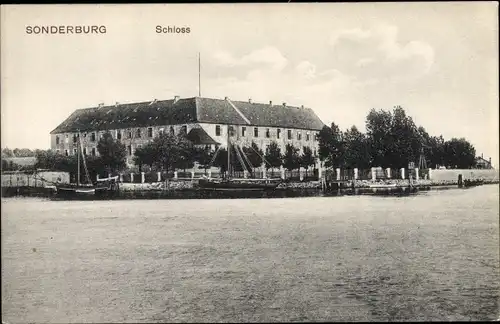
199 74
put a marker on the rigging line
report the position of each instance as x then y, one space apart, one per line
213 157
246 158
262 157
84 160
238 154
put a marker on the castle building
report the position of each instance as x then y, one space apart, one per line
205 121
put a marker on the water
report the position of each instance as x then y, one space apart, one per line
434 256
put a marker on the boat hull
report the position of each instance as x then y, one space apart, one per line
237 185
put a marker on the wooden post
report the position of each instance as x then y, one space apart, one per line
175 175
143 178
355 173
159 176
264 175
209 173
131 177
388 170
402 173
121 177
374 174
282 169
337 171
430 174
416 174
192 174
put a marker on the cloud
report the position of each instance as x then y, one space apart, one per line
377 53
264 57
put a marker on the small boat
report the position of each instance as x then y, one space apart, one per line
88 189
383 186
239 184
230 183
473 183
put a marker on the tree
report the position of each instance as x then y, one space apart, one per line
459 153
7 152
112 153
22 152
204 155
221 160
307 158
254 155
331 146
273 156
357 149
291 159
145 155
172 151
378 126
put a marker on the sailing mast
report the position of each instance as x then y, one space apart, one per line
78 163
228 151
199 74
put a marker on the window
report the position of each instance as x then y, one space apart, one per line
307 136
267 133
57 140
172 132
74 138
256 132
66 152
84 151
74 151
299 136
118 134
93 151
150 131
129 134
92 137
289 134
217 130
66 139
85 135
243 131
184 129
129 148
138 133
162 130
230 130
278 132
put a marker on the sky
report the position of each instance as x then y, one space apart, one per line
439 61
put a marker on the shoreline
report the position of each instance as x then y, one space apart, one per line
188 190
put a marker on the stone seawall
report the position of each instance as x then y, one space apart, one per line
188 184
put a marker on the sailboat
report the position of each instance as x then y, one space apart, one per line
87 188
231 183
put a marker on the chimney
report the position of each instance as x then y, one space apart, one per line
249 100
226 98
116 104
100 105
284 104
302 106
481 155
176 98
270 103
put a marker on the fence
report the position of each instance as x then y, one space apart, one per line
314 174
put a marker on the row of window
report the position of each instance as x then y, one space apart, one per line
218 132
93 151
129 134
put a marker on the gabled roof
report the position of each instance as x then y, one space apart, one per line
189 110
199 136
